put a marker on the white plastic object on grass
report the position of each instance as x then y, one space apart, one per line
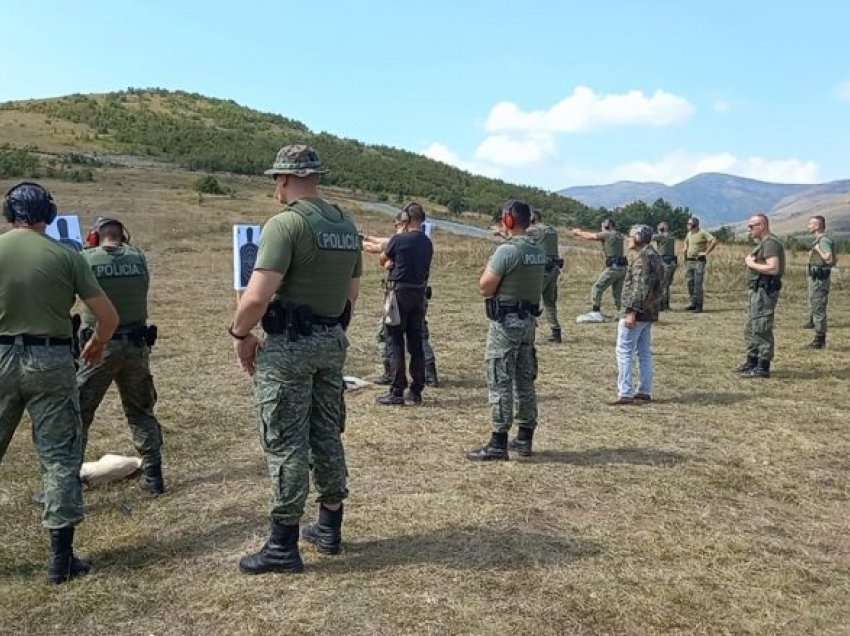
109 468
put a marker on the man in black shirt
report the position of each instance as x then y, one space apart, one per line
407 256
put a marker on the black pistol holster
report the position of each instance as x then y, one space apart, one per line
293 320
498 311
817 272
769 284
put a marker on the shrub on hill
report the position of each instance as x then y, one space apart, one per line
221 136
209 185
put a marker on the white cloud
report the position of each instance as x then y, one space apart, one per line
441 152
844 91
585 110
506 150
680 165
722 106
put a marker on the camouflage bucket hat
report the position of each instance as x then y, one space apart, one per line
298 159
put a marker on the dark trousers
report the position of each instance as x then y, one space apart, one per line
411 306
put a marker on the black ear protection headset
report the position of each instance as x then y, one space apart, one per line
9 205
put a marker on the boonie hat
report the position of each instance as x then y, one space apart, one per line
298 159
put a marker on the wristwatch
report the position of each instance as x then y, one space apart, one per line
236 335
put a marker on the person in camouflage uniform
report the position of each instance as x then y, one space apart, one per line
765 268
512 284
698 244
306 280
547 238
665 245
122 271
615 263
39 280
642 294
819 272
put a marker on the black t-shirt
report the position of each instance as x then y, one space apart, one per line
411 254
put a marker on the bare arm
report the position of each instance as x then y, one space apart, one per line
261 287
489 283
353 291
255 299
587 236
107 321
826 256
770 267
711 245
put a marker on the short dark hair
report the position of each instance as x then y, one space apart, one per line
609 224
693 221
537 213
520 211
763 218
821 221
415 212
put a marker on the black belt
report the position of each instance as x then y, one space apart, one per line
701 259
35 341
326 322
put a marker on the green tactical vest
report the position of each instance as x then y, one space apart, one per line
549 241
773 244
666 245
613 245
816 259
323 284
123 275
525 281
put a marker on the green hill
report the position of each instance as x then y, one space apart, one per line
206 134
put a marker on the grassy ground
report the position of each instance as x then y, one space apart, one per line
721 508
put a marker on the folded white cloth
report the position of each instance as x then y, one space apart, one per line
109 468
354 384
592 316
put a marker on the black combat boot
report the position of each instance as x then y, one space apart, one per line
522 442
749 365
596 308
496 449
691 307
279 554
761 370
326 533
390 399
387 378
411 397
152 479
697 309
431 378
63 565
808 325
819 341
555 336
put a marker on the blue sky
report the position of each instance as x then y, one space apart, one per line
548 93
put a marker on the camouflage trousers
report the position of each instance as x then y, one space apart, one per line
818 300
511 371
758 331
695 278
669 272
383 342
550 298
127 364
612 277
40 380
298 387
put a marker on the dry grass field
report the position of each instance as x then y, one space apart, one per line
720 508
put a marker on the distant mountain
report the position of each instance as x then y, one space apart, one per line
717 198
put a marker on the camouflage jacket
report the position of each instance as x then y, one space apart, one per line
643 286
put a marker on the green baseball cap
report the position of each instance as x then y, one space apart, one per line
298 159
